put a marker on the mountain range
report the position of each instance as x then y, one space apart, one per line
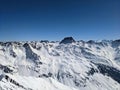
60 65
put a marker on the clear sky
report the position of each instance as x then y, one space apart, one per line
56 19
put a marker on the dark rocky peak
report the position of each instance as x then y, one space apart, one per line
91 42
2 43
17 43
7 44
10 43
116 43
26 45
67 40
44 41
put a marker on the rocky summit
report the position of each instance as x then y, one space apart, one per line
67 40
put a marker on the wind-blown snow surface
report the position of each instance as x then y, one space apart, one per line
60 66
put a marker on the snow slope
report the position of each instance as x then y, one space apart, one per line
65 65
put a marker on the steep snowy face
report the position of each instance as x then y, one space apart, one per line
65 65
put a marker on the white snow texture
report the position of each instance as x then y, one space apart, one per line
43 65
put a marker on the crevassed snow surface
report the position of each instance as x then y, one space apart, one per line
46 65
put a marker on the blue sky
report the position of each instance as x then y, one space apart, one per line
55 19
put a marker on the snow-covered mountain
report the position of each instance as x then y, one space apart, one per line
64 65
